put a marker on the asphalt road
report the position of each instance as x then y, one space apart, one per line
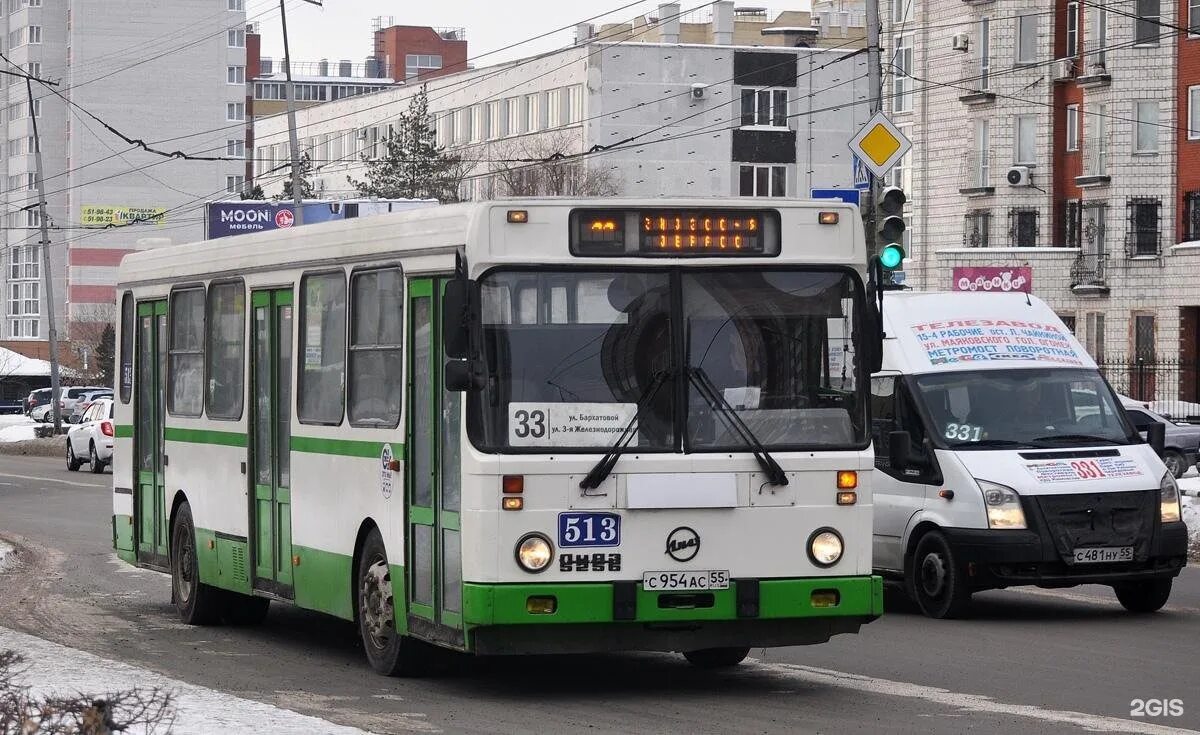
1025 661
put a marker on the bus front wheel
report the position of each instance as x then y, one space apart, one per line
196 603
389 652
716 658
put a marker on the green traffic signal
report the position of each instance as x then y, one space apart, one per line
891 256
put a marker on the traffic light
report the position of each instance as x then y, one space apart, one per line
889 231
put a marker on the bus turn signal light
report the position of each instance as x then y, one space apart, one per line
847 497
847 479
512 503
518 216
828 218
513 484
825 598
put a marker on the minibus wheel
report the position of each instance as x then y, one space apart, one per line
716 658
1143 597
196 603
935 578
388 652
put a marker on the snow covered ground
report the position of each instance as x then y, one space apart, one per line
5 551
1189 487
51 668
15 428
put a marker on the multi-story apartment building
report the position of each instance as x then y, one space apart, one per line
1052 152
152 71
708 118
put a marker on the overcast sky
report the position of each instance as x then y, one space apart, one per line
342 28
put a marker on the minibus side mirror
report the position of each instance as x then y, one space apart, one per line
463 376
1156 437
456 318
899 449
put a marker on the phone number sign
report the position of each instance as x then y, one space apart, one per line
1101 468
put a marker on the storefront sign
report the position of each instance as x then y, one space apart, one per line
999 280
100 215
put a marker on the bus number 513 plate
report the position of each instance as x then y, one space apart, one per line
581 530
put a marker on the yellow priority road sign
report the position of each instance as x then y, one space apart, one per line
880 144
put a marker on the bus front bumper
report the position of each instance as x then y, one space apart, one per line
613 616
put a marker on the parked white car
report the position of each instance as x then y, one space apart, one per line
91 440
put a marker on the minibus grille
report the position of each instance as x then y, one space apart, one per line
1100 519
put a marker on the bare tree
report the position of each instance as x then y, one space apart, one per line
548 165
89 348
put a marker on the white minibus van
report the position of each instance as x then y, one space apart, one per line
1006 459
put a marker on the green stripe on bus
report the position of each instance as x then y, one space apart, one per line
779 599
344 447
205 436
123 431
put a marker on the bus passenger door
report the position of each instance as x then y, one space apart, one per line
434 558
151 368
270 456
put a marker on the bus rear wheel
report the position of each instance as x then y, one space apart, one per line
196 603
389 652
716 658
1143 597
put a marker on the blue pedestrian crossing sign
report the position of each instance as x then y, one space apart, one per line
862 175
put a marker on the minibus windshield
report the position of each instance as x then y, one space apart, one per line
998 409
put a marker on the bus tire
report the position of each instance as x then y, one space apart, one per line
716 658
244 610
936 580
73 462
388 652
196 603
1143 597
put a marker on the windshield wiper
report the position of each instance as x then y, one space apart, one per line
1078 438
604 467
708 391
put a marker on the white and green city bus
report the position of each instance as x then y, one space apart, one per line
529 426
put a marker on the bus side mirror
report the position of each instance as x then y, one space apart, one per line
873 339
463 376
899 449
456 318
1156 437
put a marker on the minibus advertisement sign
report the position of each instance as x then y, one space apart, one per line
991 340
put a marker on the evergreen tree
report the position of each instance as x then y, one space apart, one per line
106 355
306 187
255 192
413 166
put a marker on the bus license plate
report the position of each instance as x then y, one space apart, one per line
1102 554
671 581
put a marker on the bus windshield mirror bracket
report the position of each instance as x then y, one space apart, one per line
699 378
604 467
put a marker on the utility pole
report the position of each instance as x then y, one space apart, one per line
875 84
293 139
47 276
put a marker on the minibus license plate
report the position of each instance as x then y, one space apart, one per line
1102 554
671 581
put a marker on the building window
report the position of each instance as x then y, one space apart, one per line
476 123
1072 224
236 38
1023 227
1092 232
574 104
901 74
237 4
1143 236
976 228
1194 110
512 113
766 107
1191 216
1027 39
234 184
1098 36
1143 337
1068 321
554 111
376 338
1072 127
495 121
901 10
1025 135
235 111
226 327
185 376
34 68
235 148
235 75
416 65
1093 323
1194 17
1146 27
762 181
532 112
35 34
1145 138
1072 49
985 53
323 348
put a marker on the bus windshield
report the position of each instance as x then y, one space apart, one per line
988 409
572 359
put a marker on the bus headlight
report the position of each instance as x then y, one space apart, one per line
1168 498
534 552
1003 505
825 547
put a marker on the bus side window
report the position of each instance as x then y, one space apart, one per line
185 368
128 327
376 336
323 348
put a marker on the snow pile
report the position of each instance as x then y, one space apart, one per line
5 552
1177 409
1191 516
16 428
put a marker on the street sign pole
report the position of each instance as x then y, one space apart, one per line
875 84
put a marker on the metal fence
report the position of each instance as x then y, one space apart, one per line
1172 387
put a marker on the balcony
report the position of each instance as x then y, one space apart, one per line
1094 73
976 82
1088 275
976 178
1095 164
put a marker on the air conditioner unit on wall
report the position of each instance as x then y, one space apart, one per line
960 42
1019 176
698 91
1064 69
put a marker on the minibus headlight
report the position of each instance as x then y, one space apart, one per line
825 547
1003 505
534 552
1168 498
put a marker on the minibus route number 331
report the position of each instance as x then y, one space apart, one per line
512 427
